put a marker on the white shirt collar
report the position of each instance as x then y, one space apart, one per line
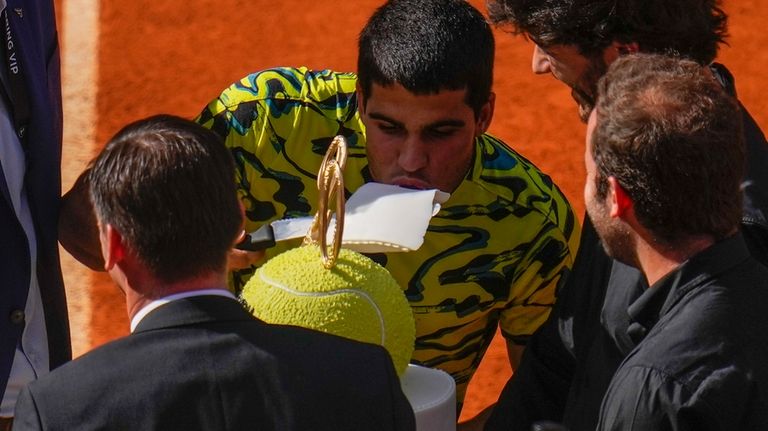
166 299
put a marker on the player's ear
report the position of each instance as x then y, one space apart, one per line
485 116
360 98
620 201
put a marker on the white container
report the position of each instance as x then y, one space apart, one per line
432 394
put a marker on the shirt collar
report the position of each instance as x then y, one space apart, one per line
665 293
166 299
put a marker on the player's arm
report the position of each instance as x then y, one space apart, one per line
477 423
543 269
551 256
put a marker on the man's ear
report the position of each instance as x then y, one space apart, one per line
625 48
485 116
113 247
242 233
620 201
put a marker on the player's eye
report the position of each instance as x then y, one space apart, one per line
390 128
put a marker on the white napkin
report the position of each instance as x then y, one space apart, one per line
379 218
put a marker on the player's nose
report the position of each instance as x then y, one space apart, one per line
413 155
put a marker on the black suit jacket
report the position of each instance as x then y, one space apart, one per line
204 363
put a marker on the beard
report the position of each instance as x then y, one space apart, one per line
615 236
585 102
584 92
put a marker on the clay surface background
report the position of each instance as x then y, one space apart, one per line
125 60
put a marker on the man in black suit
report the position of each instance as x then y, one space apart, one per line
168 213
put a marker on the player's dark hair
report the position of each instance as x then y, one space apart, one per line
168 186
688 28
672 137
428 46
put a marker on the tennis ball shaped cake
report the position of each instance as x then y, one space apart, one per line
356 298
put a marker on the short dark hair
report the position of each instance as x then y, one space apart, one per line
672 137
168 185
687 28
428 46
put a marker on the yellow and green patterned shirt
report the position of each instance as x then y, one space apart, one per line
493 255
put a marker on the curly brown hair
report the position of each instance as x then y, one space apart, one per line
687 28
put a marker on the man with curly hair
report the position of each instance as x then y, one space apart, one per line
571 359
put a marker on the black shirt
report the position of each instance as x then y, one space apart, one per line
570 361
701 361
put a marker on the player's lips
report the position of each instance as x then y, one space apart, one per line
412 183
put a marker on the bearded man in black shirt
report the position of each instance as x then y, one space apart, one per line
664 158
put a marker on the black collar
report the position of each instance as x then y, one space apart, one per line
657 300
194 310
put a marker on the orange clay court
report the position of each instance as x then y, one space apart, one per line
123 61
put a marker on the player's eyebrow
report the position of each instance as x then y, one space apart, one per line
382 117
436 124
446 123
